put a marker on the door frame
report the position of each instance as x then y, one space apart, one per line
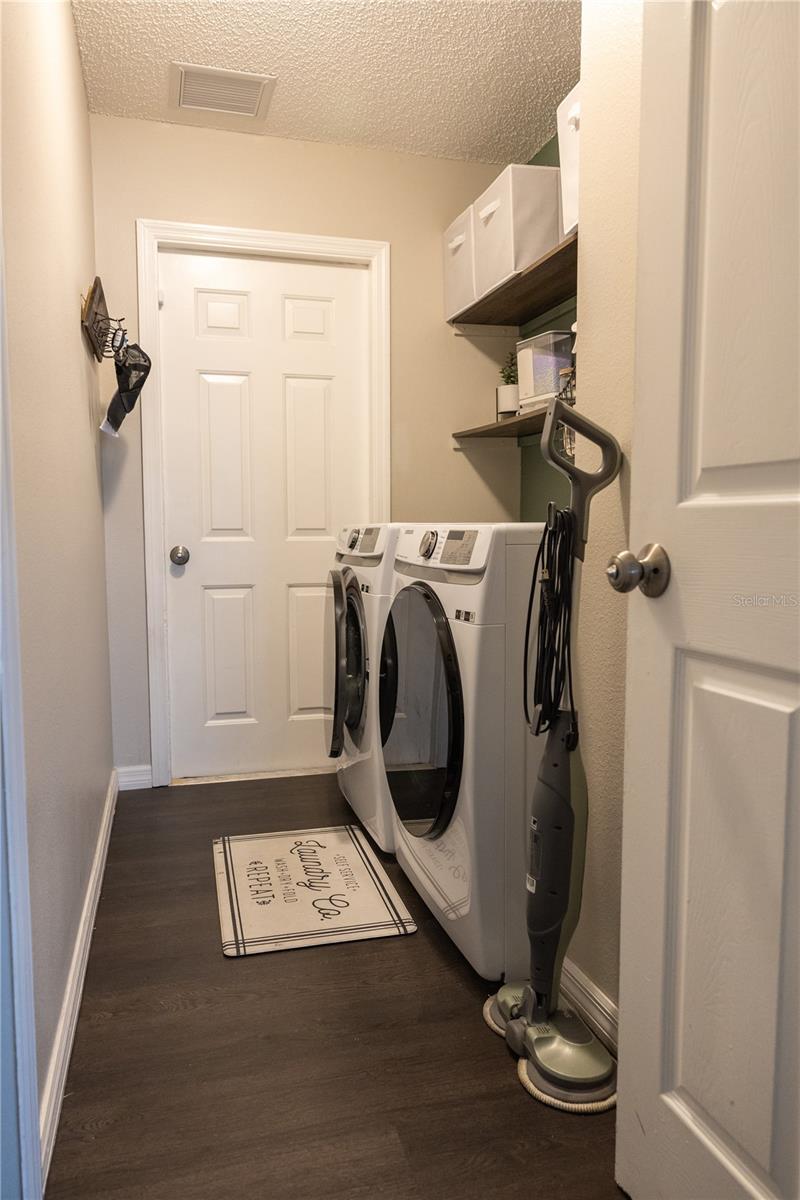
21 1112
153 237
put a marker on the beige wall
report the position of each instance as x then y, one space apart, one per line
610 83
49 247
439 382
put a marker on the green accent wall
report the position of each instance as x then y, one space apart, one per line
546 155
539 482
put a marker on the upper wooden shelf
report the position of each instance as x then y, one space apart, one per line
541 286
511 427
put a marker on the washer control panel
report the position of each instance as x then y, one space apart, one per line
369 539
358 541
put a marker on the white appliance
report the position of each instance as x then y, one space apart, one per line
460 763
359 650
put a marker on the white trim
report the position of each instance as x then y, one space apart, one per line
288 774
151 238
14 809
53 1090
133 778
597 1009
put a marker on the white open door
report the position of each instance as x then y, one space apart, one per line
709 1019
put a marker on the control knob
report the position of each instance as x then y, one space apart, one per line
428 543
352 540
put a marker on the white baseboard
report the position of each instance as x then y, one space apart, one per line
287 773
597 1009
132 778
53 1091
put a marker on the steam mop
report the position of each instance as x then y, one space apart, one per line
561 1062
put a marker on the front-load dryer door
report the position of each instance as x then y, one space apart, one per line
424 740
346 660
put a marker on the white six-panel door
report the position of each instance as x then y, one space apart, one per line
709 1013
266 452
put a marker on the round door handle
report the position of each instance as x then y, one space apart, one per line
649 572
179 555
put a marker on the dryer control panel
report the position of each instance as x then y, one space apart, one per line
456 548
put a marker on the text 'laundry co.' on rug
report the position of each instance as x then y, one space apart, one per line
304 887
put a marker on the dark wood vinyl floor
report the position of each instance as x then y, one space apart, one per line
342 1072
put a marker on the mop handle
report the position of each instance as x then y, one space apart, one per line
583 484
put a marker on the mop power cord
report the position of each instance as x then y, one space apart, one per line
554 570
561 1062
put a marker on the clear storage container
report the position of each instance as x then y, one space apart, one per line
540 359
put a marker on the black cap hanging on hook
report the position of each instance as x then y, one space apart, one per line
132 366
108 338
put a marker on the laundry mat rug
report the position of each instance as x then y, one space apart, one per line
281 891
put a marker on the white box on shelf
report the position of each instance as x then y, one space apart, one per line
568 120
515 222
459 274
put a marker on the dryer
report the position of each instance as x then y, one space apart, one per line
360 649
459 761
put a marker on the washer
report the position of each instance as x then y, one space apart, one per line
459 761
361 646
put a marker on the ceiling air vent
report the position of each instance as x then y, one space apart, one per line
219 98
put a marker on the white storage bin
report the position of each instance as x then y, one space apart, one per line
568 119
540 360
459 274
515 222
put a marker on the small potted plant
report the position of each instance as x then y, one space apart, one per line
508 392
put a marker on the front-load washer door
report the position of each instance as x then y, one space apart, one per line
424 739
387 695
346 659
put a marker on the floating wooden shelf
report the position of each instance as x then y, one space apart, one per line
540 287
511 427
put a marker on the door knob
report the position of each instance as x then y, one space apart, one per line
179 555
649 572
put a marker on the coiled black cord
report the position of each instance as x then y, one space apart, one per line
554 570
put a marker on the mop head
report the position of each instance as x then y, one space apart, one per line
541 1089
503 1007
492 1016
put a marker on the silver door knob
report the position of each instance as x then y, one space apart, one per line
179 555
649 572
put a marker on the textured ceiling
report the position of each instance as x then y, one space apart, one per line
471 79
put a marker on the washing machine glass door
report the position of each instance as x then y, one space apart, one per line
388 679
345 660
424 739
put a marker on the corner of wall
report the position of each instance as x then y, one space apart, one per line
611 56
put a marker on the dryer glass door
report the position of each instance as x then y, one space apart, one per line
345 660
424 739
